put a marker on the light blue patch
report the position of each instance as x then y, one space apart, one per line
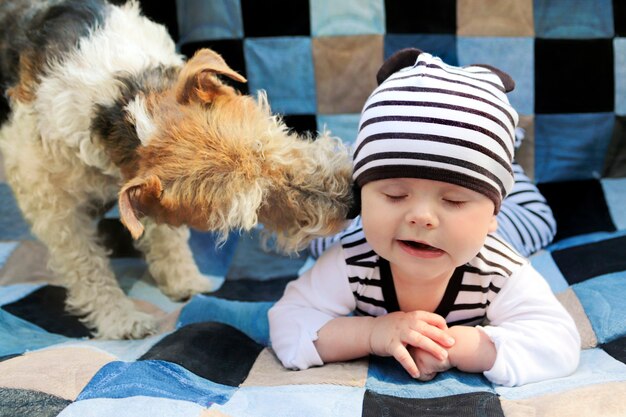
347 17
519 65
567 19
19 336
619 51
6 249
248 317
252 261
11 293
615 195
139 406
386 376
113 213
123 350
344 126
149 292
290 401
12 224
443 46
212 258
596 367
603 300
545 265
571 146
158 379
200 20
267 58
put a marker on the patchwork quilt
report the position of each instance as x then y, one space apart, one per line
317 59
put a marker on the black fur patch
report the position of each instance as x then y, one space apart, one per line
42 31
110 123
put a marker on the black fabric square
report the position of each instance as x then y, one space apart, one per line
163 12
424 16
276 18
616 348
45 308
253 289
582 262
23 402
483 404
232 52
619 17
116 237
574 76
301 123
615 162
196 346
579 207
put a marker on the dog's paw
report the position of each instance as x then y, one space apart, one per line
184 289
125 322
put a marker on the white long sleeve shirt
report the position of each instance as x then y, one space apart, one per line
498 291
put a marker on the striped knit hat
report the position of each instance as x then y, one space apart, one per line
430 120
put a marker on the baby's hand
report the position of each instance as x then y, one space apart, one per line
427 364
392 333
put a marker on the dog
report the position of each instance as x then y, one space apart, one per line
99 107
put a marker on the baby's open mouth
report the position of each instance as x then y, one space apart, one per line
420 246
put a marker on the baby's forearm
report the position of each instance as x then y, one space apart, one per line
344 338
473 350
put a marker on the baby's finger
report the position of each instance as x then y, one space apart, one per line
425 343
403 356
427 377
430 318
435 334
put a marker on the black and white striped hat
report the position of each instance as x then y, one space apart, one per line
430 120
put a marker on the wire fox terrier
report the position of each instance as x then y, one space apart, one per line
99 106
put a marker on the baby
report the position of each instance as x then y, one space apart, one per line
425 279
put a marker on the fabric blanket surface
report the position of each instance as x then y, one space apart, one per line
212 356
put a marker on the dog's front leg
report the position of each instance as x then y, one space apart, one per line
83 265
171 262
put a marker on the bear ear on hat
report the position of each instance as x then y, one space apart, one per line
507 81
401 59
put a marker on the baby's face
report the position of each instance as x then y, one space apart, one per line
425 228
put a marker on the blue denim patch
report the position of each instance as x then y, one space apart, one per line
200 20
19 336
566 19
619 53
348 17
519 65
386 376
571 146
323 400
344 126
147 378
248 317
616 200
443 46
603 300
12 224
294 91
138 406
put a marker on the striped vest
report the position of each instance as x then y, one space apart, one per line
470 291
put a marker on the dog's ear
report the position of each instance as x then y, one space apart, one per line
135 199
197 79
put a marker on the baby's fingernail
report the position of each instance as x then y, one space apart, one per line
443 354
450 341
